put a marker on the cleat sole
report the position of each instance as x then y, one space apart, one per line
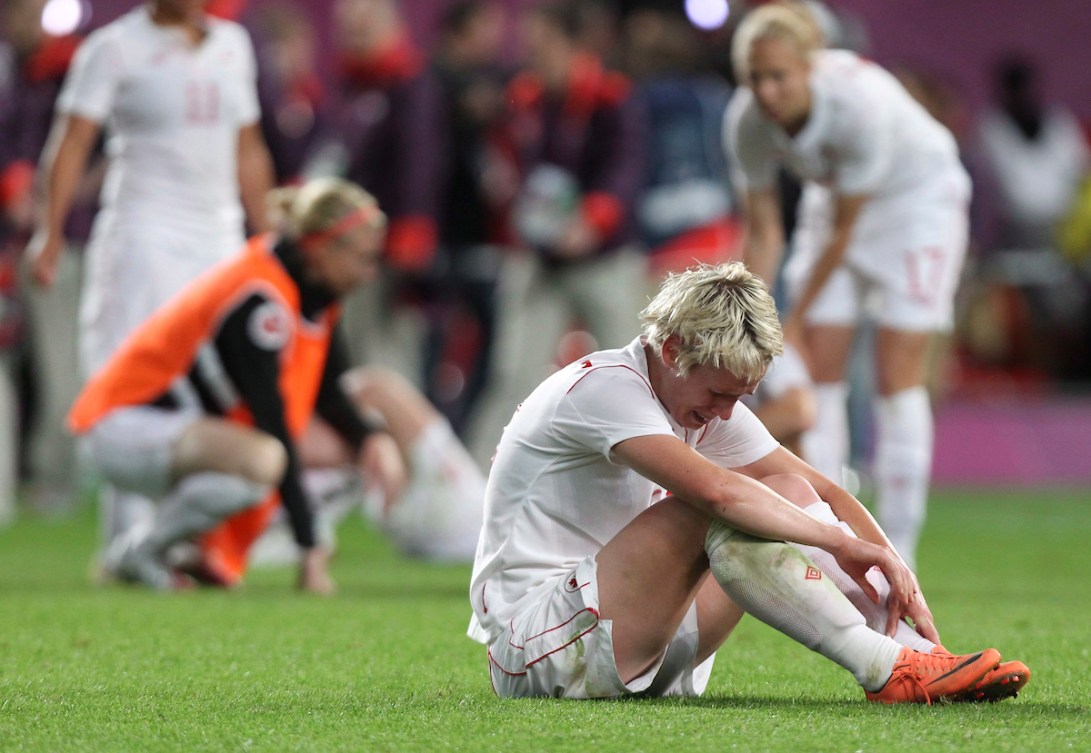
1004 682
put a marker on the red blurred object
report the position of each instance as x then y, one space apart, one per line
709 244
228 9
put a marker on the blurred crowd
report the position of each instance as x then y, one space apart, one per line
535 198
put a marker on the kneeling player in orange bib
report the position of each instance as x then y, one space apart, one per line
202 405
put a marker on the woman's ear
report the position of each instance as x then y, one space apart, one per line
669 351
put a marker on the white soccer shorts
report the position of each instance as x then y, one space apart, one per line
133 447
558 646
903 269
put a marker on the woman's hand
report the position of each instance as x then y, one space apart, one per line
856 557
43 254
314 576
382 464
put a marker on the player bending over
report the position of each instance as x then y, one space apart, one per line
635 511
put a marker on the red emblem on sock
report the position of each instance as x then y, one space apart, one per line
813 573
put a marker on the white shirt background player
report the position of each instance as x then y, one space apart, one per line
883 220
175 91
173 111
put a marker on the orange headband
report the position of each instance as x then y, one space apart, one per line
366 213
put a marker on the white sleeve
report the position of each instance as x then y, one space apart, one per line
93 80
739 441
609 405
747 146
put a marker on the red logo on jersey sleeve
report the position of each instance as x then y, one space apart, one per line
270 326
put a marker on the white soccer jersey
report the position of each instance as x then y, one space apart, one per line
865 134
554 494
172 112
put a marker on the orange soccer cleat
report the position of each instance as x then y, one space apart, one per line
925 678
1005 681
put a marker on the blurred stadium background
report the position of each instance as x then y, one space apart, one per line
1013 403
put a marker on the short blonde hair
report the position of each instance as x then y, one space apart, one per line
723 315
318 205
788 20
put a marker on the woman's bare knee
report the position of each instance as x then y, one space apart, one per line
405 412
793 488
266 461
368 386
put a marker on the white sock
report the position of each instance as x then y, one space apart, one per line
874 614
121 511
903 466
198 503
776 583
826 445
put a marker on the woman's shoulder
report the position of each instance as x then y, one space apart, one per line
232 31
743 117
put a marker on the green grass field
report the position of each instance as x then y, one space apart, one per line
385 666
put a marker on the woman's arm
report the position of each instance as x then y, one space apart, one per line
65 157
255 177
764 241
846 210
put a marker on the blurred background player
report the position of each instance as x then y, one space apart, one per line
436 515
461 283
388 136
38 326
784 401
575 134
174 90
883 220
203 405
